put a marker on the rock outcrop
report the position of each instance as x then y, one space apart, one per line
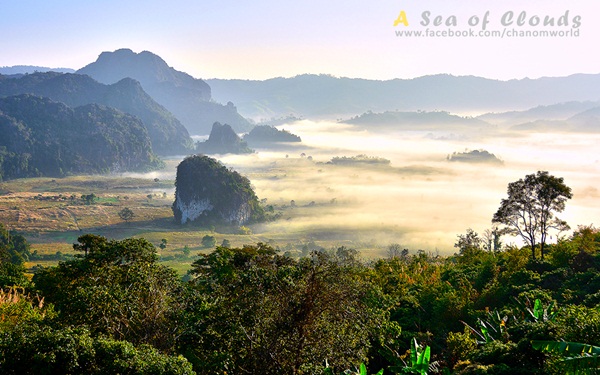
209 193
223 140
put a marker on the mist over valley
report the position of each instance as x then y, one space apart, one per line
359 163
304 188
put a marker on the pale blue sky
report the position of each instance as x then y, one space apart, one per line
268 38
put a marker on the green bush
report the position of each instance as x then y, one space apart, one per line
38 349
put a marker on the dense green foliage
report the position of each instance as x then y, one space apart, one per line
45 138
167 134
13 247
116 288
485 310
14 251
41 349
259 312
579 358
262 135
227 197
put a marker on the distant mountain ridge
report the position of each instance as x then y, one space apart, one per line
41 137
28 69
167 134
581 117
188 98
560 111
327 96
149 69
417 120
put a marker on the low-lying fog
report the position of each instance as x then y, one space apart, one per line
421 200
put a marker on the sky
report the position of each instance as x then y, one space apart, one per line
273 38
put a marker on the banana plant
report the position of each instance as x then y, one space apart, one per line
578 358
494 328
538 312
419 357
419 360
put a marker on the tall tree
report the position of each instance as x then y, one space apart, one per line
116 288
529 209
261 313
14 251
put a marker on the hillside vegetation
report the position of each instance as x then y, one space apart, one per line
167 134
45 138
485 310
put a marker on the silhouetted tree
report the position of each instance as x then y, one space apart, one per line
529 209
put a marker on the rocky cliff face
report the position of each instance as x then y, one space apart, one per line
223 140
209 193
191 210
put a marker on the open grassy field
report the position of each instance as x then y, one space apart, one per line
53 212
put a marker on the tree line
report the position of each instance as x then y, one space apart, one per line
488 309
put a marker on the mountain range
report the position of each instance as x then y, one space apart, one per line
325 96
587 121
564 117
195 102
172 104
28 69
188 98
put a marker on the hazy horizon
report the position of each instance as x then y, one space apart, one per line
61 68
265 39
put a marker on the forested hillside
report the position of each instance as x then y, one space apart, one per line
486 310
41 137
265 135
223 140
167 134
208 193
